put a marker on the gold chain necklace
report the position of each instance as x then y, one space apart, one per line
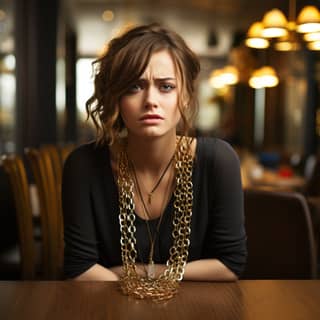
166 285
150 267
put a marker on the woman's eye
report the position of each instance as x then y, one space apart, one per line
134 88
167 87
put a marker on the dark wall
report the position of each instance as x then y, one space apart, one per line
35 49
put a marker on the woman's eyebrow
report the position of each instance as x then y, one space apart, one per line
160 79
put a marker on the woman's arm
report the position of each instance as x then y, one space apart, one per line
208 270
224 250
203 270
199 270
80 250
100 273
97 273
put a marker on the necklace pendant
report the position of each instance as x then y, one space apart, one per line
149 198
151 270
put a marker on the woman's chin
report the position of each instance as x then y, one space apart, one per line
151 132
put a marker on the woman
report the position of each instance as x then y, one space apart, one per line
141 203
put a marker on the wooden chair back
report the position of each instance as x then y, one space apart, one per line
280 236
48 181
14 167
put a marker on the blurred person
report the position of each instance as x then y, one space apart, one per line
143 204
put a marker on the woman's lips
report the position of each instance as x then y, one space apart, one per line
151 119
150 116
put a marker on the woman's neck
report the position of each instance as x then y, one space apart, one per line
151 154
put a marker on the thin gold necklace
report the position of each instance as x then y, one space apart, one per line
150 194
150 267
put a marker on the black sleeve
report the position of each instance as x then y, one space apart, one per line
80 252
226 237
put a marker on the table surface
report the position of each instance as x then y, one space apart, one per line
246 299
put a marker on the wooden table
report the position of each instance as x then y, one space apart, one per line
251 299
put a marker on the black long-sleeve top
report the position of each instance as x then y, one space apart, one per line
91 210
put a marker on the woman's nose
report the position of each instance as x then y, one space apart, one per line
151 99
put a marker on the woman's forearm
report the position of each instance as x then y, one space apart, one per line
208 270
203 270
199 270
97 273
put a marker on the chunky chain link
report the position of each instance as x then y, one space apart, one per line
166 285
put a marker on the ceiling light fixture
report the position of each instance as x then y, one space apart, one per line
284 33
265 77
226 76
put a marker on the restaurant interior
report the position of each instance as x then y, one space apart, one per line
258 89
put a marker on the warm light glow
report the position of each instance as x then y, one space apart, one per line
287 43
255 30
221 78
257 43
274 23
286 46
107 15
291 26
254 37
216 83
274 32
264 77
9 62
314 45
215 79
308 20
255 82
308 27
269 77
314 36
229 75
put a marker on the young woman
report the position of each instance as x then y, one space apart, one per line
141 203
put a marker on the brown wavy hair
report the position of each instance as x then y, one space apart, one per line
123 63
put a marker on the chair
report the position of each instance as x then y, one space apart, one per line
314 207
47 174
312 173
280 236
14 167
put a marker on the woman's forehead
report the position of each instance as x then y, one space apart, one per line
160 65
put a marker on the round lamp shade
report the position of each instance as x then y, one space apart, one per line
275 24
255 38
308 20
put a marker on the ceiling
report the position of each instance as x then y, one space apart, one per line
196 20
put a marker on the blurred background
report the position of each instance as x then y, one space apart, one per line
46 50
258 88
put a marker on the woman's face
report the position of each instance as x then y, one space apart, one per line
150 107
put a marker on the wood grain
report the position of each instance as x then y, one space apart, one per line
247 299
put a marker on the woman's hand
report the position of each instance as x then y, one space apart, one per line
97 273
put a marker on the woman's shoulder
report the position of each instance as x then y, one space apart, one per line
90 154
216 149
